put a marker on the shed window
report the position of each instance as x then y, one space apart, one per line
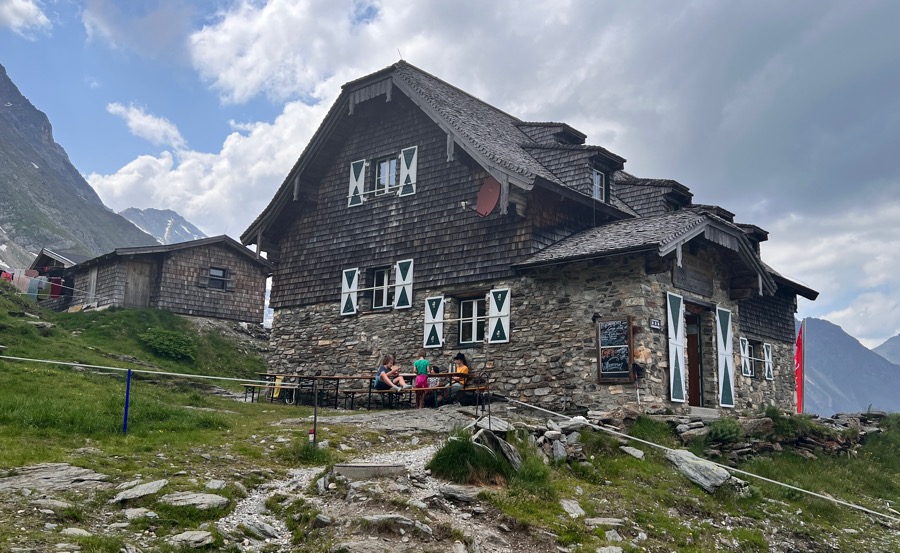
472 314
218 278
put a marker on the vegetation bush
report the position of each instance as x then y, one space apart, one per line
724 431
301 452
652 430
168 343
462 461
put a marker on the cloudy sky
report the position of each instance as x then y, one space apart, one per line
786 113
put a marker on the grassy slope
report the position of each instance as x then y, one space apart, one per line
52 414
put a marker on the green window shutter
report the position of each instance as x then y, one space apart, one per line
403 284
408 160
349 286
675 331
725 354
357 183
767 356
434 322
498 316
746 362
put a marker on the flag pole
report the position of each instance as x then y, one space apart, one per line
803 371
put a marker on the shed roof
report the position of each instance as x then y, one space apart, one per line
223 239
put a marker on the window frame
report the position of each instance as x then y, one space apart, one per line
216 281
383 290
382 184
475 322
599 190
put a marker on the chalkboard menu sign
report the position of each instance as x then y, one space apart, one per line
614 355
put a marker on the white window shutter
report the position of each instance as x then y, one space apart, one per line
203 280
408 160
349 286
434 322
675 331
498 316
746 362
725 353
357 183
403 284
767 356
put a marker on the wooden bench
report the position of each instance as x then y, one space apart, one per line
391 394
254 390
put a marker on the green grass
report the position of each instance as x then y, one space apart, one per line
464 462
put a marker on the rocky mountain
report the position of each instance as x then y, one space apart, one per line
843 376
167 226
890 350
44 200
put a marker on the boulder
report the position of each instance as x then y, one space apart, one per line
51 477
465 494
149 488
757 427
572 507
202 501
699 471
396 523
192 538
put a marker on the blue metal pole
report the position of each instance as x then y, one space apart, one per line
127 397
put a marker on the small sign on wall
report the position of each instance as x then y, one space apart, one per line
655 324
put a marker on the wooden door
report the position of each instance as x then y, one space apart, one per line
695 376
137 284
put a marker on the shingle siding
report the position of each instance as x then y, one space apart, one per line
770 316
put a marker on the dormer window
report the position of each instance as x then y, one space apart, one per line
600 189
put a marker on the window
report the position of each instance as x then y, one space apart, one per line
218 278
385 175
600 191
381 296
471 321
750 368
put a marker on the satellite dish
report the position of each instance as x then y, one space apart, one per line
488 196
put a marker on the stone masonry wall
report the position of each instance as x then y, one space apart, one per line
551 359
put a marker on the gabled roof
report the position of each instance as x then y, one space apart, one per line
662 234
495 139
67 259
224 240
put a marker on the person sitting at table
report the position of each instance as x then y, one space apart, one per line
457 382
389 377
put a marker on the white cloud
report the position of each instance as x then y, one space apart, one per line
151 29
217 192
159 131
24 17
849 257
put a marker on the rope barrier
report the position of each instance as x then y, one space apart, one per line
729 469
143 371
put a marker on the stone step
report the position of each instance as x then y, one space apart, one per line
704 413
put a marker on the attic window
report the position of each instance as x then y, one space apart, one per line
385 175
600 187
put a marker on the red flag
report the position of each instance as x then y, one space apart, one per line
798 369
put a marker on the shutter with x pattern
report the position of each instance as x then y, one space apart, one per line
349 286
434 322
675 330
403 284
408 160
725 354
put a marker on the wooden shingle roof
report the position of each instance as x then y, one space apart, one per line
661 234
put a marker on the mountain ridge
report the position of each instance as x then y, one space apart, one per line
167 226
44 200
844 376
